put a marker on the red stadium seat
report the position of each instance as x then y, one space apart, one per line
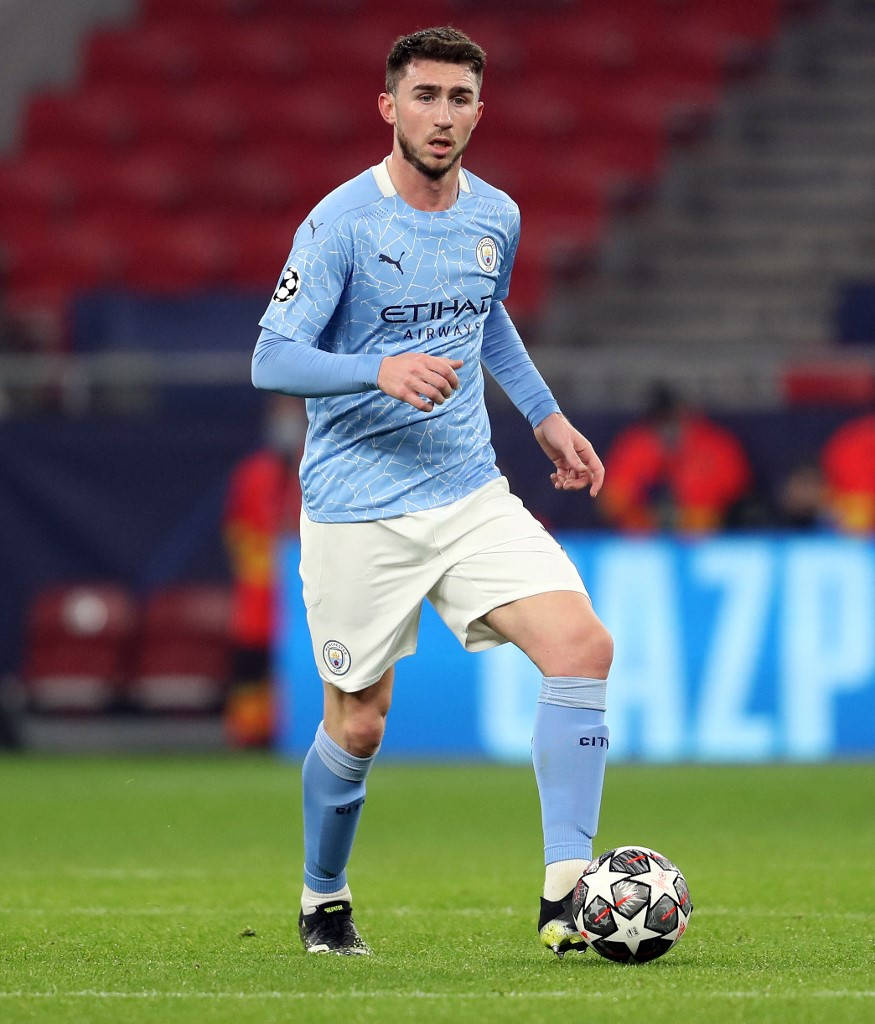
177 254
253 181
267 51
319 112
152 53
164 180
76 257
23 222
260 244
37 182
77 644
562 244
755 19
346 161
218 111
241 10
182 661
208 116
99 116
161 10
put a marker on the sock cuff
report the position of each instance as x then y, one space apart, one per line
566 841
345 765
324 885
574 692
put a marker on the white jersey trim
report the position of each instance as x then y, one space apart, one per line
380 172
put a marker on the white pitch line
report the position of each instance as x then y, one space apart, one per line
120 874
612 995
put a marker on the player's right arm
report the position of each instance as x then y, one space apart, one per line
283 364
287 356
421 380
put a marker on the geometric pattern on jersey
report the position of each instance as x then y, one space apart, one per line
374 275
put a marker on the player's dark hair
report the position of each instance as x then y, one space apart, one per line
446 44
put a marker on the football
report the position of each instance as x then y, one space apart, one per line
631 904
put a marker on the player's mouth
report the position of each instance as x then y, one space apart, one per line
440 146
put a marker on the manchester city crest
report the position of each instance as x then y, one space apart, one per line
487 254
336 657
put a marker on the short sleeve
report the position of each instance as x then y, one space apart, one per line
502 284
310 285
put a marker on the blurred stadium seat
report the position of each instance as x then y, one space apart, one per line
77 645
99 116
223 108
182 658
153 53
63 259
161 9
227 108
178 255
38 182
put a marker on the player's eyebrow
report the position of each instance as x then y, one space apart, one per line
456 89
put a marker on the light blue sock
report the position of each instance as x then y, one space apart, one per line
569 750
334 792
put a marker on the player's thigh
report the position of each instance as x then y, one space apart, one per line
558 630
502 554
363 591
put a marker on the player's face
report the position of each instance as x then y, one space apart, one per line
434 111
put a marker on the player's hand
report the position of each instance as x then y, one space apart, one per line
420 380
576 462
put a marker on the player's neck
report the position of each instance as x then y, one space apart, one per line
420 191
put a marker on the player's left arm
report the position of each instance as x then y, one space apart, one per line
577 464
505 356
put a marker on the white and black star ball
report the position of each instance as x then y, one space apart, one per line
631 904
289 286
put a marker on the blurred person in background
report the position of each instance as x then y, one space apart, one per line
848 462
674 470
801 500
12 703
263 505
18 338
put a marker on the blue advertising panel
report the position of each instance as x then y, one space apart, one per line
726 649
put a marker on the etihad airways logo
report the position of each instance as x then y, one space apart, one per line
437 309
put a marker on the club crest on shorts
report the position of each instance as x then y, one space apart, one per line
289 286
336 657
487 254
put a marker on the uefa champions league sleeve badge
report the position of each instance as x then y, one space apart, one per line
289 286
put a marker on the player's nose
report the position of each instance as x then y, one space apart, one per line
442 117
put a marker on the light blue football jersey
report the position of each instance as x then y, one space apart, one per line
369 274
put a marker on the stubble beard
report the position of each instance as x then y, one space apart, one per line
435 173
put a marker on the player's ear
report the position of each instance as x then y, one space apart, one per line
479 114
386 103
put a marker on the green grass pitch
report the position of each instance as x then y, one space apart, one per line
166 890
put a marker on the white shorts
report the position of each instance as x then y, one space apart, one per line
364 583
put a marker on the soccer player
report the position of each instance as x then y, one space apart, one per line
390 301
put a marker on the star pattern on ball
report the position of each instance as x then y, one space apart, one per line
631 904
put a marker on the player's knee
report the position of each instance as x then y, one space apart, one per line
363 733
600 652
588 654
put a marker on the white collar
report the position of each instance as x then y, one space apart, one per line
384 183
